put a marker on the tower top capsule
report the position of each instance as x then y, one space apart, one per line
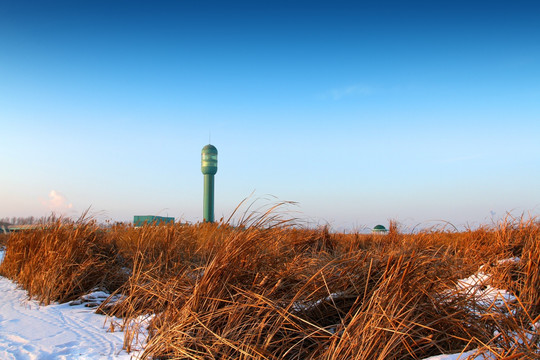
209 155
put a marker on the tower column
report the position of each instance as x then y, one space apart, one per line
208 200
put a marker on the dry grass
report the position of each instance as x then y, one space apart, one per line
61 262
260 291
3 240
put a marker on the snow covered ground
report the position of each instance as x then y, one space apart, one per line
29 331
60 331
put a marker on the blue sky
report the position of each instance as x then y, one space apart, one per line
359 111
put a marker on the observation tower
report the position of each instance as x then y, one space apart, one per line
209 169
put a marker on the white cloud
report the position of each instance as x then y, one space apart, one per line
57 202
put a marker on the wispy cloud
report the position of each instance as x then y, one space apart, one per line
464 158
349 91
57 202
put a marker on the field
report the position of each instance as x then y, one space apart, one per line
266 290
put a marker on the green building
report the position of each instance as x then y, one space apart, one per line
139 220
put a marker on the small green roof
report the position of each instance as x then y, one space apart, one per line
379 227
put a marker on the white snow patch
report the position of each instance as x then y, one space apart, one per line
300 306
510 260
29 331
95 298
461 356
485 295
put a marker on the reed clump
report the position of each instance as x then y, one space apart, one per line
272 291
60 262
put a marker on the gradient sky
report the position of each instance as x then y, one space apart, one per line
359 111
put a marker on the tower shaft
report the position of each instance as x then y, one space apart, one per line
208 201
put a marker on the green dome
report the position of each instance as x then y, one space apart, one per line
209 149
379 228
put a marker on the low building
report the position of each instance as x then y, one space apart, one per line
26 227
140 220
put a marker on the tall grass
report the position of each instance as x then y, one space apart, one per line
266 290
63 261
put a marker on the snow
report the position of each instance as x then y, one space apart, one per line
461 356
299 306
485 295
29 331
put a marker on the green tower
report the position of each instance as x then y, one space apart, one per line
209 169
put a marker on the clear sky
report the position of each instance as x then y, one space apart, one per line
359 111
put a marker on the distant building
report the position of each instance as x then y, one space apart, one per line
26 227
139 220
379 229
